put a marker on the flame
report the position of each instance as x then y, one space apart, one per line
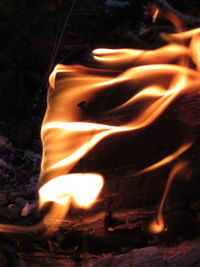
158 224
155 14
131 57
182 35
68 133
161 83
66 186
166 160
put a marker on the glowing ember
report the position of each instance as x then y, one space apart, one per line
157 225
68 135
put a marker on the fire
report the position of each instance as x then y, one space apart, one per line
180 168
68 134
155 14
167 159
82 194
157 225
160 82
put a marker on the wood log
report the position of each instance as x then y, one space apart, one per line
183 255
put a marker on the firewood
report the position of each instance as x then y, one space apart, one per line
183 255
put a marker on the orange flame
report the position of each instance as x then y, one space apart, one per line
168 159
158 225
77 83
155 14
68 134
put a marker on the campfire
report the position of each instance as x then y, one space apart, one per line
66 138
90 109
155 78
